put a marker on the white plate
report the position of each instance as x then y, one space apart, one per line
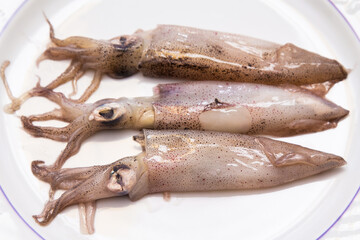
301 210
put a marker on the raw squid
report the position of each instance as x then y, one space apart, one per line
218 106
187 161
188 53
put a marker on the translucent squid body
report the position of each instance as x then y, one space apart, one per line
186 161
188 53
217 106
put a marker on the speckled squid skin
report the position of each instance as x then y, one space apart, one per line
179 161
196 54
243 108
187 161
189 54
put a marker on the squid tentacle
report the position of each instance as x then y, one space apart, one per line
87 216
54 133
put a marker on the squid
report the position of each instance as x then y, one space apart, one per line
170 51
186 161
212 106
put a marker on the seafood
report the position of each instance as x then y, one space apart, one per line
187 161
187 53
217 106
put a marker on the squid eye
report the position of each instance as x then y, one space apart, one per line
116 173
122 178
119 179
125 42
122 40
107 113
118 167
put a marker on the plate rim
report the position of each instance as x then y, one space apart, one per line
24 2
